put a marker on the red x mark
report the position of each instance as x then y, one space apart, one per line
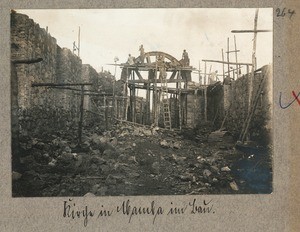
296 97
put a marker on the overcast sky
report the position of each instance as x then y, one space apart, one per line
107 33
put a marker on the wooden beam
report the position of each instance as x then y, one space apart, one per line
236 59
27 61
147 67
199 73
105 112
234 70
152 81
233 51
180 102
224 62
250 90
64 88
228 57
249 31
134 100
148 104
205 104
204 72
59 84
138 74
173 75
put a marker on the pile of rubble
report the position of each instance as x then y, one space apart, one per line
127 160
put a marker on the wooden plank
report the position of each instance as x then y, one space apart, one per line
59 84
138 74
151 81
200 79
105 112
235 51
236 59
233 70
180 102
27 61
253 61
133 101
250 31
204 72
247 122
173 75
148 104
228 57
224 62
114 98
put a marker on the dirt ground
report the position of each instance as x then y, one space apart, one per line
133 160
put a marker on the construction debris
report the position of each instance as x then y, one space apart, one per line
156 164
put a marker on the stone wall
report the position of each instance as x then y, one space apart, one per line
260 127
29 41
43 108
234 100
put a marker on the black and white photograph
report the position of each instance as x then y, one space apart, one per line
141 102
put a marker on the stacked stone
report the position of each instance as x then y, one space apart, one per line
69 68
174 112
194 107
29 41
260 125
41 107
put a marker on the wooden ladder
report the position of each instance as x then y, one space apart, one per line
166 103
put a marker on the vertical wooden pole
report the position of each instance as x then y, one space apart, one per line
147 116
141 112
153 106
158 107
223 64
118 108
126 95
131 103
236 59
186 103
114 98
105 113
228 68
155 96
200 81
195 107
209 75
205 104
180 102
80 115
253 60
205 73
134 99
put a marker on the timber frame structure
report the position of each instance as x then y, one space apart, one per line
163 77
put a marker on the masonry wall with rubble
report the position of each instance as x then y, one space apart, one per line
234 100
44 107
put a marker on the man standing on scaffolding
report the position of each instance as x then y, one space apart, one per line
130 60
185 58
142 54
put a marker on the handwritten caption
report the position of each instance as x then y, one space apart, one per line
75 212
